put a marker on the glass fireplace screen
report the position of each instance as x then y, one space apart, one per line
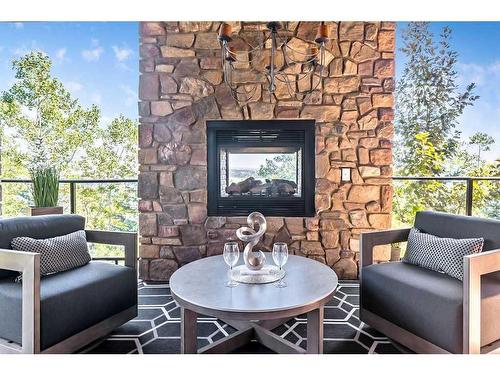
260 172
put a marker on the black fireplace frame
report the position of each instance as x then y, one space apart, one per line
219 134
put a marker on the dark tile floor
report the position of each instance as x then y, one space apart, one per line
157 328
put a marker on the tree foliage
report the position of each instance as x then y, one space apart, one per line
43 125
281 167
429 103
46 126
428 100
483 142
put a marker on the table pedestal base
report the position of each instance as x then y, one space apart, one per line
250 330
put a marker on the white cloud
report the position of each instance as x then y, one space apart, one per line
93 54
96 98
20 51
130 94
23 49
61 54
106 119
122 54
482 116
124 67
471 72
73 87
480 74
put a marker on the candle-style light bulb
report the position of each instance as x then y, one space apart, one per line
225 32
323 33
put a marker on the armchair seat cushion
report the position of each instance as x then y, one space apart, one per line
427 303
70 301
39 227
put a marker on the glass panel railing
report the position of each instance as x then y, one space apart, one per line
411 196
106 204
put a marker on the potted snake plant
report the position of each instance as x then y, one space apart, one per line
45 192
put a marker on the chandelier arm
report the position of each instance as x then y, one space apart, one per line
303 75
245 92
234 95
283 80
235 87
299 62
314 57
223 54
287 81
285 44
308 55
320 76
272 85
289 86
235 56
251 50
228 76
317 84
272 74
288 59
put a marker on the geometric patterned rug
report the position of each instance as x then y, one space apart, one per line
156 330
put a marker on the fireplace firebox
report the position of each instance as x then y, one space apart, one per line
261 165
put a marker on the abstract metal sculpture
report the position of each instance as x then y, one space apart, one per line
248 234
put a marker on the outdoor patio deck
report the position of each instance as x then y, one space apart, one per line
157 328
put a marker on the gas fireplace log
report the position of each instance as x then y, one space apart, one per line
273 187
284 188
260 189
280 180
243 187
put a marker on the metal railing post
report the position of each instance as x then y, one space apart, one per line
469 196
72 197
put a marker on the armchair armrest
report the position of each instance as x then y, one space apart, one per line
29 265
384 237
475 266
126 239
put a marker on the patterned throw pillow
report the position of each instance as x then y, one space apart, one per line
57 254
440 254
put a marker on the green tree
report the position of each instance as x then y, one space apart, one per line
42 124
429 103
428 99
281 166
45 125
113 154
483 142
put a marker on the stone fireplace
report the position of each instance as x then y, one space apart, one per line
261 165
182 90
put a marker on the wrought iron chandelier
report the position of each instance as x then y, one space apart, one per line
312 62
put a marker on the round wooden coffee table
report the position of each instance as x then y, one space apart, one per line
253 309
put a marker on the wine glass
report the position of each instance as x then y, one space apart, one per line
231 255
280 256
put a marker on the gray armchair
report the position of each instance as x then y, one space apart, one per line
427 311
64 312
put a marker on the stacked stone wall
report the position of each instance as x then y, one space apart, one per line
181 86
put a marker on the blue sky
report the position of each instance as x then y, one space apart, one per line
478 61
98 63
